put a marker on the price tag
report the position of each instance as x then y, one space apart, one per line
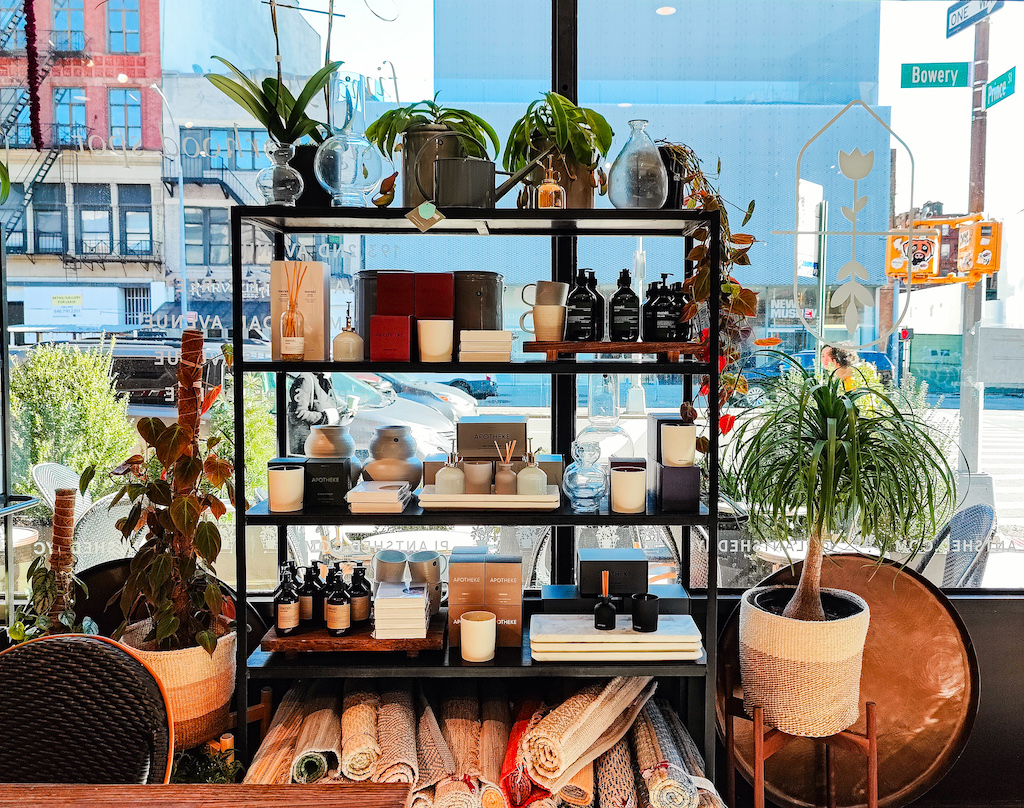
425 216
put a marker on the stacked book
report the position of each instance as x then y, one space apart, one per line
379 497
400 612
573 638
485 346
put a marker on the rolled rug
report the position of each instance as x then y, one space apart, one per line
434 758
460 728
396 737
318 745
422 799
668 784
582 728
495 728
614 774
693 761
272 764
580 789
359 750
516 785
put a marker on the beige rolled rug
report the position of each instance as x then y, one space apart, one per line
693 761
460 728
495 727
661 766
434 758
582 728
272 764
318 745
359 750
422 799
396 736
804 674
580 789
613 772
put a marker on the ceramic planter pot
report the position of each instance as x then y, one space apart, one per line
329 440
420 147
805 675
393 450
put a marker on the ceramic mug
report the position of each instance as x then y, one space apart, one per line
478 476
286 485
436 592
479 635
427 565
547 293
435 340
548 323
629 489
389 566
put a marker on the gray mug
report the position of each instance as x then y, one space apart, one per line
389 566
436 592
427 565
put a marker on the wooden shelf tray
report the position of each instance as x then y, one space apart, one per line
669 351
359 639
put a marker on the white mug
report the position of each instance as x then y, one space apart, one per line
435 340
479 635
547 293
427 565
285 488
548 323
678 444
629 489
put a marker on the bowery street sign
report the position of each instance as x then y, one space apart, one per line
1000 88
967 12
935 74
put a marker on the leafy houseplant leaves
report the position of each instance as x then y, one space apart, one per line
208 541
185 514
171 443
207 640
150 429
218 470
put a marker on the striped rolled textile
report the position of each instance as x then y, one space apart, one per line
668 784
460 727
693 761
422 799
396 736
318 745
516 785
614 775
582 728
272 764
495 728
579 790
434 758
359 750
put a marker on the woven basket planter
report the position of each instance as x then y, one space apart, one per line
199 687
805 675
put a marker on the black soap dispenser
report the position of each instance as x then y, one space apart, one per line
664 308
684 328
624 312
579 311
600 306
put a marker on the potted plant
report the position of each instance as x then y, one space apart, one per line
429 131
839 460
172 604
581 137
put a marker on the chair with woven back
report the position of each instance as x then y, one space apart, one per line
81 709
97 538
970 533
48 477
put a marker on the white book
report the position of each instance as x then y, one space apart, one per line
400 635
481 335
399 595
485 356
369 491
378 507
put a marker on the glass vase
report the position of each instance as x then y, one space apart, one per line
293 334
584 481
638 178
279 183
347 165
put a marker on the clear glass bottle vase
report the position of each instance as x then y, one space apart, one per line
584 481
638 178
347 165
279 183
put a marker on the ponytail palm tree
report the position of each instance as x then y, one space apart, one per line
850 459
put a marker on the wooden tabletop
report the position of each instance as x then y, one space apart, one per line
356 795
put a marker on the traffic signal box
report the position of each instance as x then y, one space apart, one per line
979 250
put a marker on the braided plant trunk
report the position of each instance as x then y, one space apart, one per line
61 559
806 601
190 385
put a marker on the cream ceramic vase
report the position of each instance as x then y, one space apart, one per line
333 441
393 450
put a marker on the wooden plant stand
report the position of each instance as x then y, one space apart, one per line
767 743
669 351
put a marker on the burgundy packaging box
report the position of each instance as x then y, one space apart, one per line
391 338
435 295
396 294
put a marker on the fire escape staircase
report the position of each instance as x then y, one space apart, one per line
11 26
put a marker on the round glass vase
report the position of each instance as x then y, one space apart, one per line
347 165
584 481
279 183
638 178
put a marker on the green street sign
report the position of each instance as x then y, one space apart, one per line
1000 88
935 74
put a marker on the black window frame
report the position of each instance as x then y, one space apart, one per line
124 192
58 205
82 206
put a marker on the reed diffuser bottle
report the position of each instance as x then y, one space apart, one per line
293 324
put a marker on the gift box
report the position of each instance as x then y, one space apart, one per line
434 295
391 338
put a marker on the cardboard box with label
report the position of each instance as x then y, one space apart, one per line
314 302
490 583
477 434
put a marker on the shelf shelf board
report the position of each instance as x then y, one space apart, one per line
260 514
566 367
466 221
15 503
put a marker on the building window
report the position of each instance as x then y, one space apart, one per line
134 203
19 135
207 236
69 114
205 149
15 237
137 304
50 218
12 40
68 35
123 26
95 235
125 118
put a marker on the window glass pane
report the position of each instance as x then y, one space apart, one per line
94 231
134 194
137 232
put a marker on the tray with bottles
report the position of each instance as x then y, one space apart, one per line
358 639
668 351
548 501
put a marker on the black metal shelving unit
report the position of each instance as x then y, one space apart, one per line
563 228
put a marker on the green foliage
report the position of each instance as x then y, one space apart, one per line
200 765
272 103
260 428
384 131
65 409
866 459
574 129
5 182
33 619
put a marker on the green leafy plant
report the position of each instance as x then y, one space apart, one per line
33 619
385 131
5 182
574 130
850 459
202 765
260 428
175 490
